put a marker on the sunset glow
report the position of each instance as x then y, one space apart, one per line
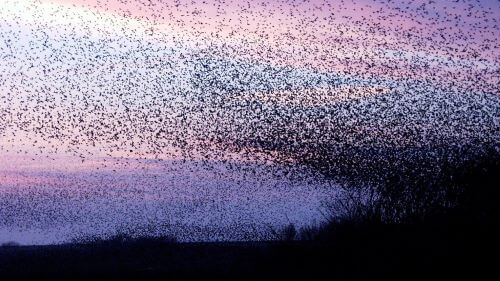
114 114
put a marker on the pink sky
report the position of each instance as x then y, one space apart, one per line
361 28
84 84
365 39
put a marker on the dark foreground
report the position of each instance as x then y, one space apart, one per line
355 252
433 220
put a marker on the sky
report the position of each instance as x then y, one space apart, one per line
93 92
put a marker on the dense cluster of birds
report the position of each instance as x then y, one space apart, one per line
274 83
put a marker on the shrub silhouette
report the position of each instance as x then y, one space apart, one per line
10 244
445 185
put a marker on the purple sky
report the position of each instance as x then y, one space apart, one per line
84 84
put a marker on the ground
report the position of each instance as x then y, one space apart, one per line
389 252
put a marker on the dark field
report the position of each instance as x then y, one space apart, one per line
355 252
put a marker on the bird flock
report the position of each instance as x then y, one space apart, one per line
196 117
